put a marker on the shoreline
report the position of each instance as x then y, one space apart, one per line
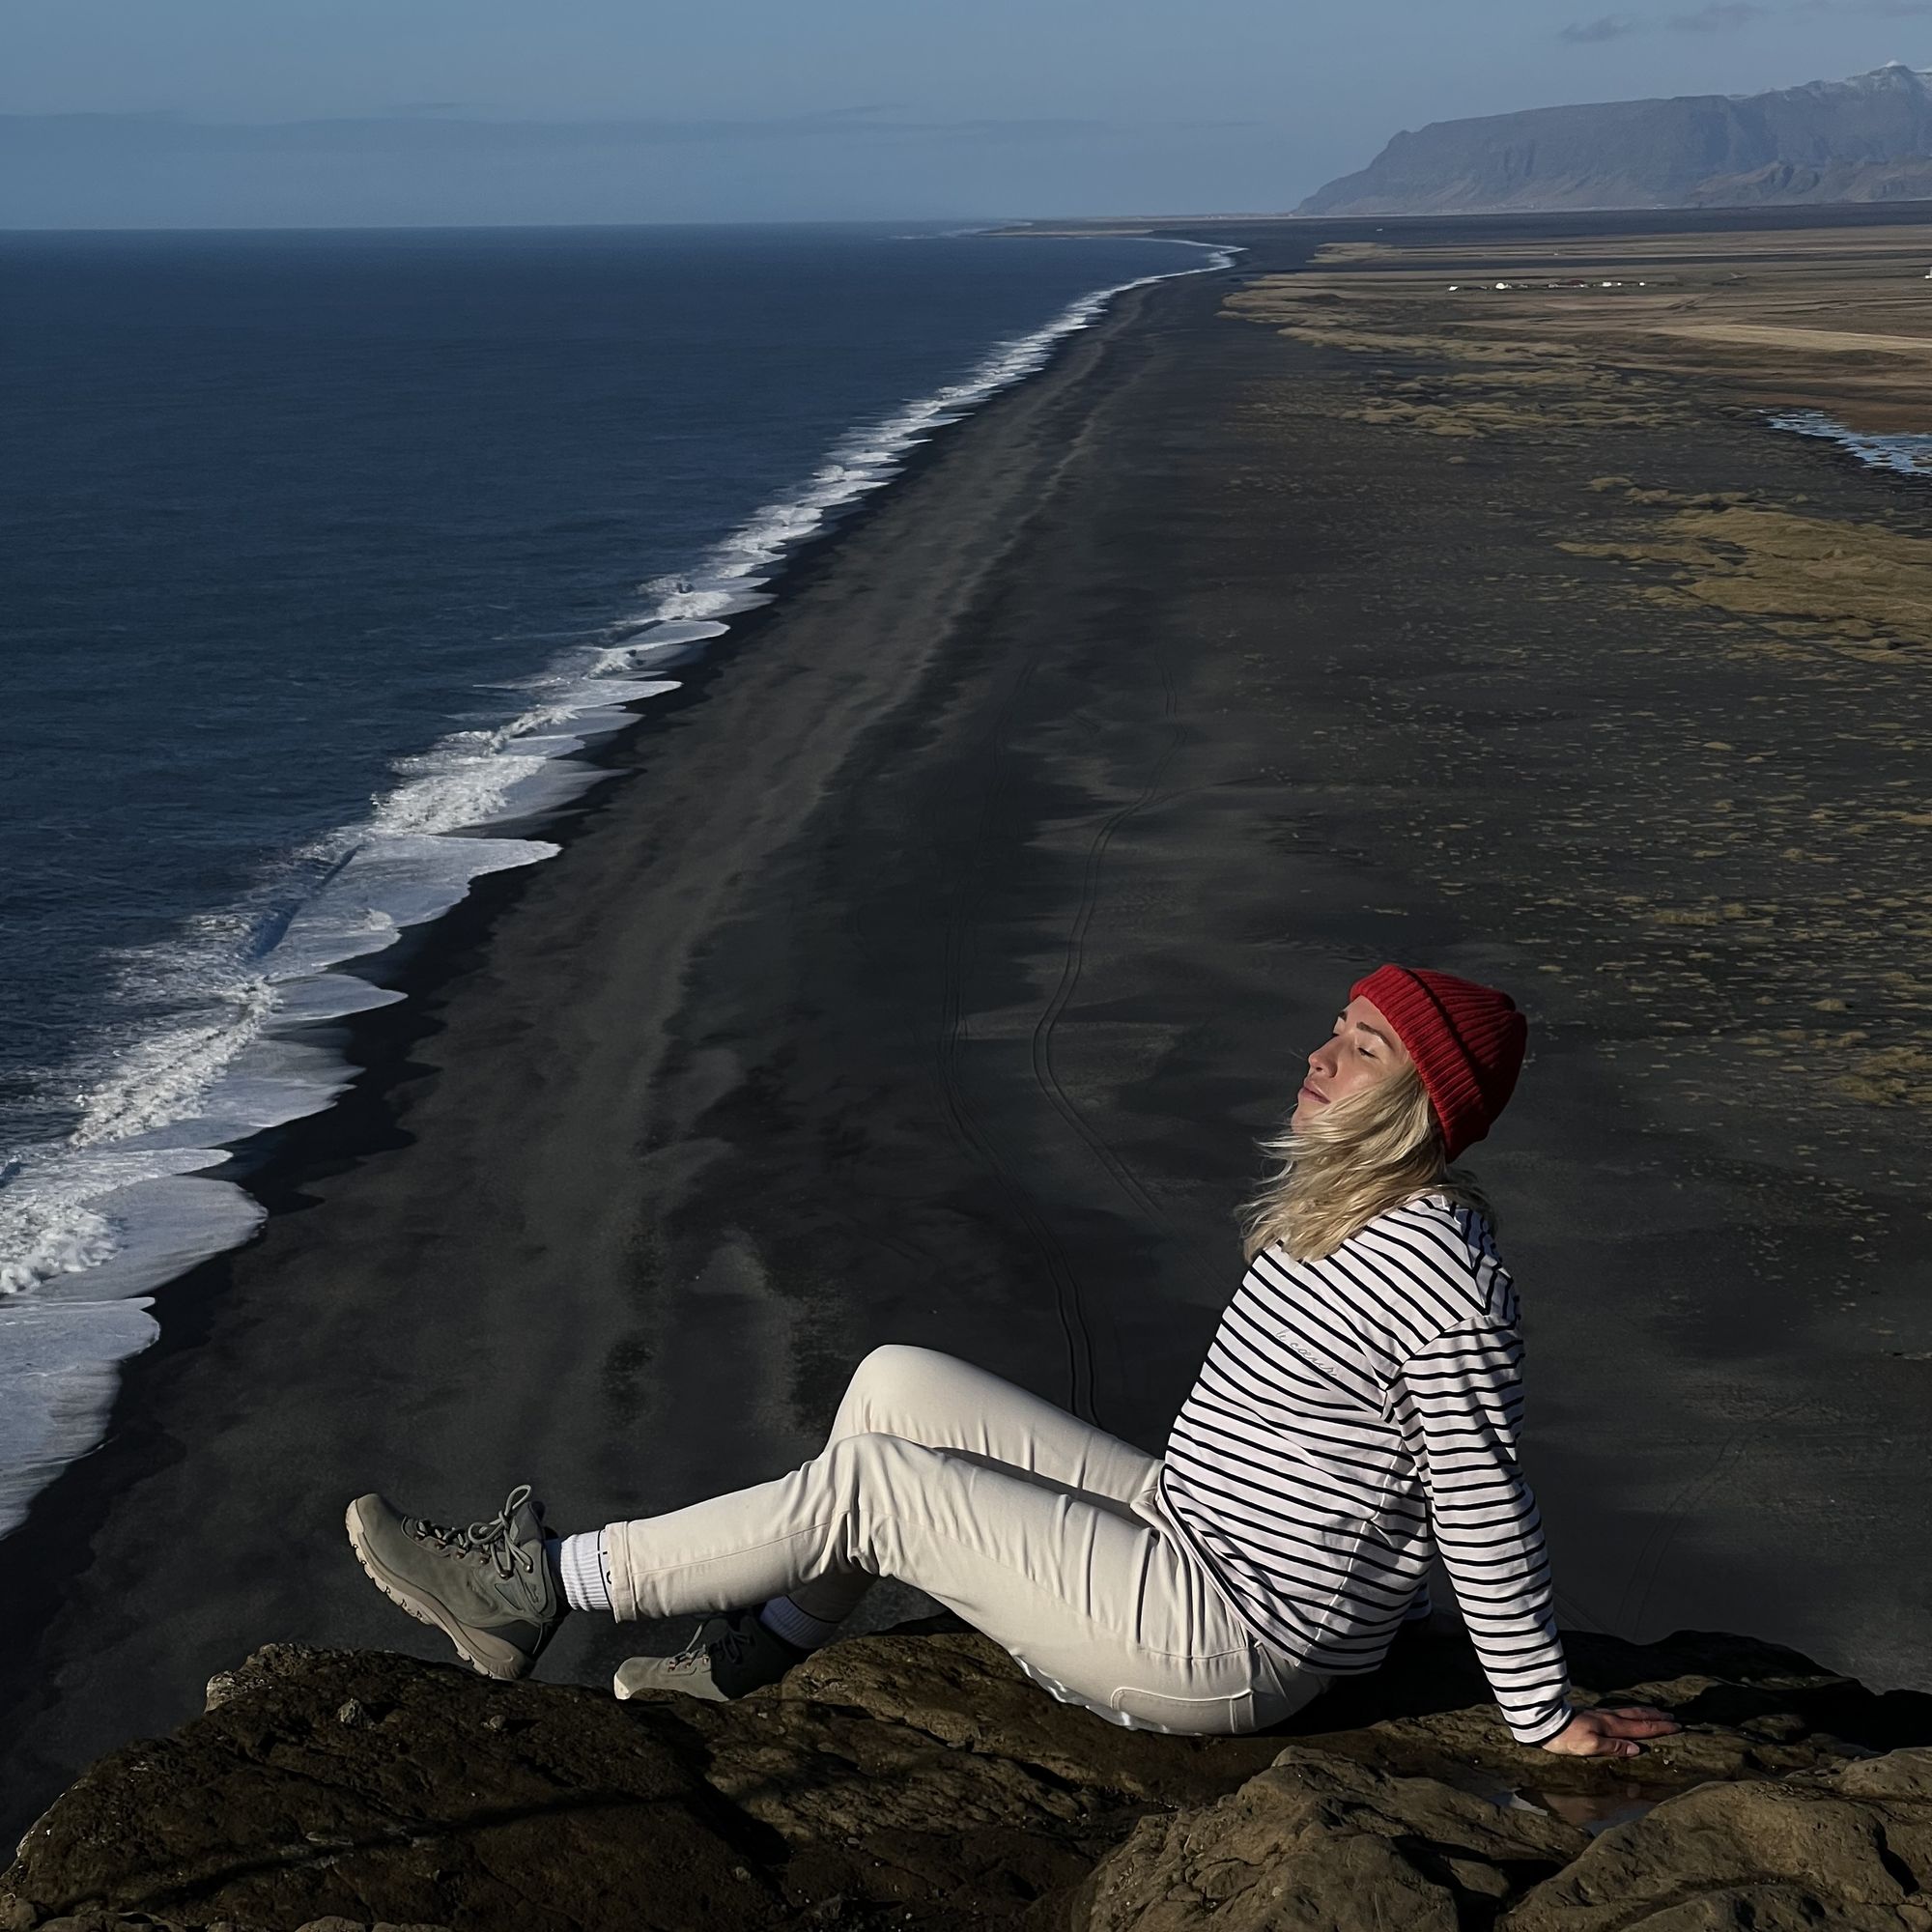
176 1221
1152 690
281 1166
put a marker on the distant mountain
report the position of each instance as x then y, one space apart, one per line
1868 138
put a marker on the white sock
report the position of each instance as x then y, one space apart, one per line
798 1627
582 1565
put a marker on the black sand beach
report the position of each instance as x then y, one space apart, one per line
931 974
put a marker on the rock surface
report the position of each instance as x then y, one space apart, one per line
1850 1848
1319 1840
917 1781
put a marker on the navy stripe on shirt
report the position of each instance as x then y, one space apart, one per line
1355 1417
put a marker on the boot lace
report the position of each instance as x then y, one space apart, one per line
736 1642
484 1540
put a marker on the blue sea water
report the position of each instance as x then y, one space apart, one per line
1909 452
323 553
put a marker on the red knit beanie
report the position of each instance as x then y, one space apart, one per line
1466 1041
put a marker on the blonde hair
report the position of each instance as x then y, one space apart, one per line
1357 1158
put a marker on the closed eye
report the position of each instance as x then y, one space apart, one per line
1361 1046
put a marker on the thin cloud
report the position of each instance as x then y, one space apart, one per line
1721 17
46 138
1880 9
1606 28
864 110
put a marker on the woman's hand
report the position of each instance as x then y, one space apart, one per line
1611 1733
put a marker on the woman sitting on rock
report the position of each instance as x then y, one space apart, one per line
1357 1415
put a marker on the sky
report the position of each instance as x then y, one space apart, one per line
223 113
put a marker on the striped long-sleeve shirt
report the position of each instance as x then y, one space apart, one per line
1355 1417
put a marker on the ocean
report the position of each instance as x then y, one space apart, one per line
324 551
1909 452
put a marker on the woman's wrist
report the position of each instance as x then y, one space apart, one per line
1612 1733
1547 1730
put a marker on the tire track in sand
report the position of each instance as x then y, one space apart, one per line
1074 962
1649 1564
955 1032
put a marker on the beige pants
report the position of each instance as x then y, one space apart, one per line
1037 1529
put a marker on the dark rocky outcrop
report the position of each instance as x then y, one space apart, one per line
1865 140
1319 1841
917 1781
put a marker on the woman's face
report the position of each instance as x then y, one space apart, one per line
1361 1050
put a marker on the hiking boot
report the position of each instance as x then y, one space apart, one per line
727 1656
487 1588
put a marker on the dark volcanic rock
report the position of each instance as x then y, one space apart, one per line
445 1797
1849 1849
1865 140
920 1781
1319 1841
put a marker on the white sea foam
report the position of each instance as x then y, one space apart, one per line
90 1225
62 1367
1907 451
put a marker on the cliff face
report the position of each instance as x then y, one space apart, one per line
1865 140
918 1781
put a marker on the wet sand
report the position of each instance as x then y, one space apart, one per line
932 975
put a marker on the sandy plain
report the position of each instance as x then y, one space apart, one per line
1801 318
